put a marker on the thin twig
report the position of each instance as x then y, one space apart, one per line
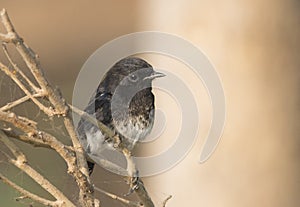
136 183
38 136
118 198
21 163
5 37
138 187
17 69
104 129
19 101
77 166
34 141
13 76
33 133
28 194
32 62
61 108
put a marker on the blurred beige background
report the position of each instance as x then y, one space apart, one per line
255 47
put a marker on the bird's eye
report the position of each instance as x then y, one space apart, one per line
133 78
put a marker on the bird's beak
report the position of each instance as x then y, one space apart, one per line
154 75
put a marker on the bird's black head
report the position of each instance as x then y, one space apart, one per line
130 73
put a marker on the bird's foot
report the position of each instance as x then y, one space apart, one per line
134 183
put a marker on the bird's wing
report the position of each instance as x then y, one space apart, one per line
99 107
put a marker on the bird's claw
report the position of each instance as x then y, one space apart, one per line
134 185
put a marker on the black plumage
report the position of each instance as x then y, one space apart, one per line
124 102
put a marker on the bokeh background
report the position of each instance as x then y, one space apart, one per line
255 47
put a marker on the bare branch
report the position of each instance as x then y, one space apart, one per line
41 137
12 147
5 37
73 155
104 129
32 62
106 164
138 186
28 194
14 77
17 102
17 69
33 134
118 198
61 108
21 163
29 139
136 183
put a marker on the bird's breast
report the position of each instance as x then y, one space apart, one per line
135 128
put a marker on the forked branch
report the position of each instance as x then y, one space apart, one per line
26 130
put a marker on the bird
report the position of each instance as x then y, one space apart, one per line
123 102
